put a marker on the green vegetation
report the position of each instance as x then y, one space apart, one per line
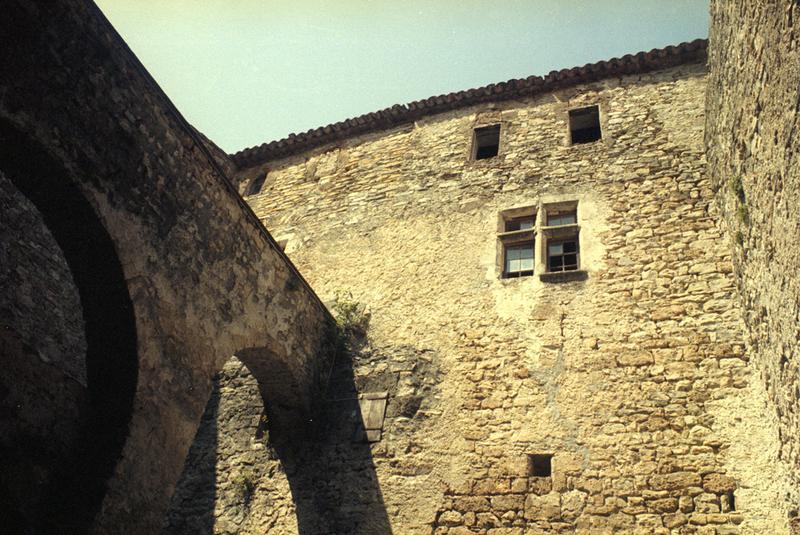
244 483
737 188
742 212
351 316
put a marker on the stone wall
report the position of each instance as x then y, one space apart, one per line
43 358
231 468
42 303
632 375
175 273
239 479
754 164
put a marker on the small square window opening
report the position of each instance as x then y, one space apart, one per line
519 260
520 223
584 125
486 142
540 465
257 183
562 255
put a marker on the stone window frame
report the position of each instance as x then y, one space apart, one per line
508 239
485 120
574 111
560 233
540 236
476 133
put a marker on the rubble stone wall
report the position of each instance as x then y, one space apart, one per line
42 355
180 274
229 466
753 144
633 375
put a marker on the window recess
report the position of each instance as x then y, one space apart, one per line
540 464
486 142
517 242
519 260
562 255
560 237
584 125
257 183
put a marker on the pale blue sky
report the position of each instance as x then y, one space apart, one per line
249 71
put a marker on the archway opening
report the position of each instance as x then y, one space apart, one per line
233 480
95 421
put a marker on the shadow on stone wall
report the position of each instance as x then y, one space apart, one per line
252 470
191 509
76 402
333 477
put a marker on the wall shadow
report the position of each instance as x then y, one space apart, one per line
74 493
191 509
254 431
330 466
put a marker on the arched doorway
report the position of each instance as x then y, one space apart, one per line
91 398
232 481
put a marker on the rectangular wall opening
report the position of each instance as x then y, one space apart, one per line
486 142
540 464
584 124
257 183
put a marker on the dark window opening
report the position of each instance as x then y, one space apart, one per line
518 260
584 124
731 501
487 142
540 465
562 255
519 223
257 183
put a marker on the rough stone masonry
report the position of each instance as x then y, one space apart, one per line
753 120
615 398
131 272
554 340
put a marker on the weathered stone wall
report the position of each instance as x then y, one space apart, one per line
230 465
174 272
43 358
42 303
635 378
236 478
753 120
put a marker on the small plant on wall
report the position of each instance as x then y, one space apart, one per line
244 484
736 188
352 319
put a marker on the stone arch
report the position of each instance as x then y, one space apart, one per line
74 495
233 479
259 426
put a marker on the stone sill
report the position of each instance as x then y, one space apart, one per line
564 276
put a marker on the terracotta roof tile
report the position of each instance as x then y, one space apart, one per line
516 88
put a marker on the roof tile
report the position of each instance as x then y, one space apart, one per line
400 114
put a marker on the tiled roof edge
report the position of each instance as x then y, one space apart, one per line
656 59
